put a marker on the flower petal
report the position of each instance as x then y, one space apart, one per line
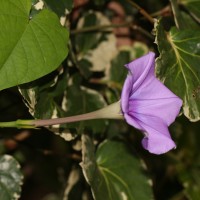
157 139
126 93
148 105
162 103
140 68
153 144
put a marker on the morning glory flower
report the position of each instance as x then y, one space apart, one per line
145 104
148 105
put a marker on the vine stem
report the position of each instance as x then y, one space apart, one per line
143 31
142 11
104 27
99 27
162 12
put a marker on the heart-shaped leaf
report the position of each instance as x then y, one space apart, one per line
29 48
178 66
10 178
113 172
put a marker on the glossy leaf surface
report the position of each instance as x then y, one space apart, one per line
178 66
113 172
36 46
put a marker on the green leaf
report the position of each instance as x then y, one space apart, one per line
178 66
10 178
191 23
117 71
193 7
88 40
43 95
113 172
83 100
30 48
51 97
84 67
60 6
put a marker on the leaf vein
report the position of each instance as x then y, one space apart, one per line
118 178
36 39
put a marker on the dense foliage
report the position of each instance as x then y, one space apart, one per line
63 58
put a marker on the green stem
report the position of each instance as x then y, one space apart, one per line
18 124
142 11
99 28
143 31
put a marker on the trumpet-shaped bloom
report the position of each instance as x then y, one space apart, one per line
148 105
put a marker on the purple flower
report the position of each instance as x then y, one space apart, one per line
148 105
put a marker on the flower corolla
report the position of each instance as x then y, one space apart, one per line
148 105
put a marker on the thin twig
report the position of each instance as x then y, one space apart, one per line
180 23
100 28
143 31
162 12
142 11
